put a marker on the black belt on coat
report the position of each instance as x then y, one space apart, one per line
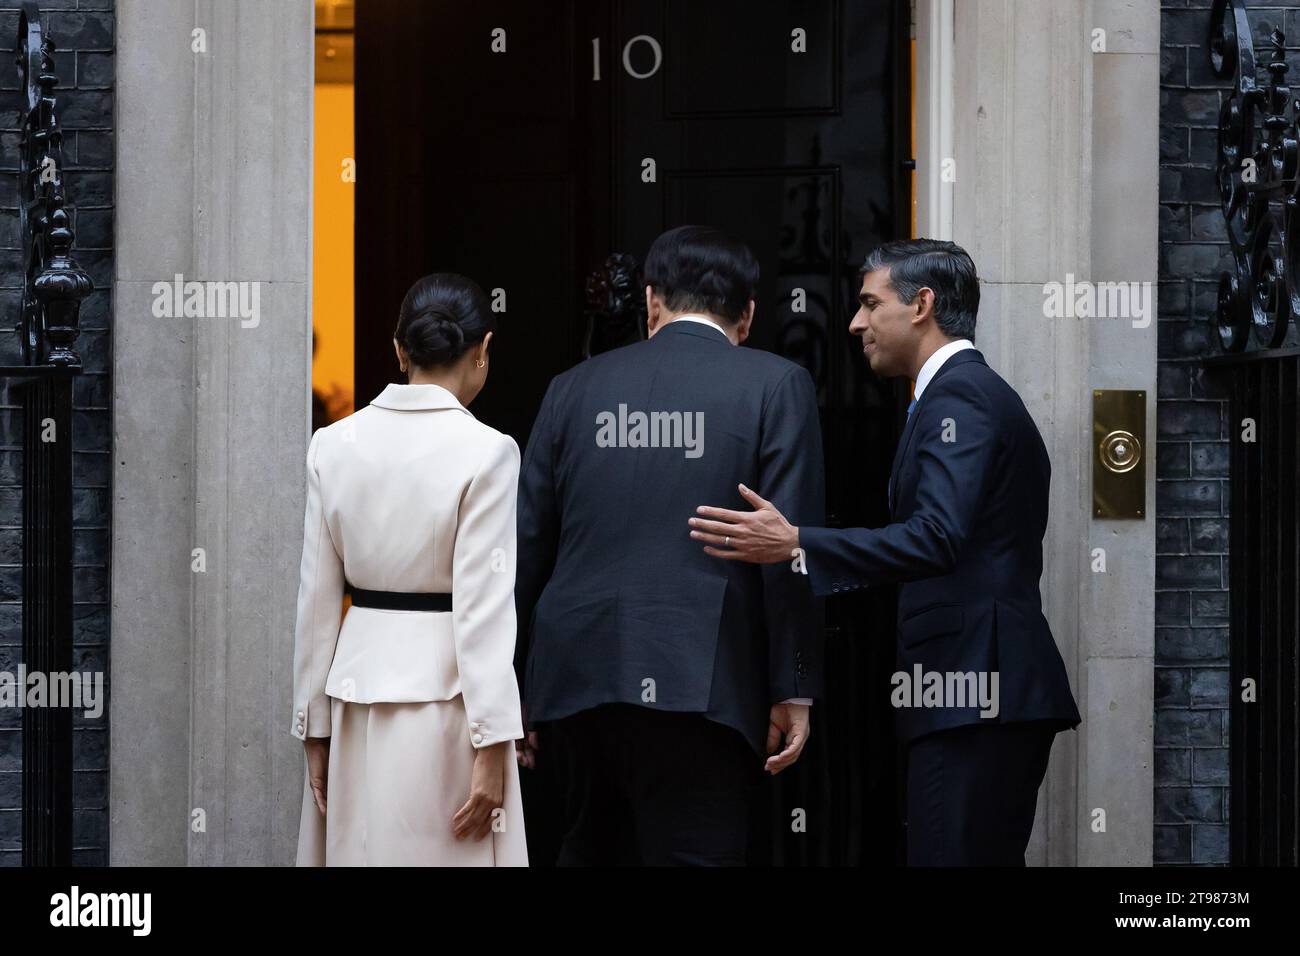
400 600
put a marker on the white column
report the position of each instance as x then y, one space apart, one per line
935 168
1118 607
1057 164
210 428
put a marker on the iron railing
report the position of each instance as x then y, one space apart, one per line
53 287
1264 598
1258 158
1258 309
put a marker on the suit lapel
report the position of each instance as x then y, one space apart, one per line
905 442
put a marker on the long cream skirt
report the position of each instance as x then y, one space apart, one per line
397 775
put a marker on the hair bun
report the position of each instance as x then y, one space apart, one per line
447 327
442 316
432 337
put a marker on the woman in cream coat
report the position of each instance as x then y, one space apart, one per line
408 708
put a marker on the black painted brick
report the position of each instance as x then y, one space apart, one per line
83 31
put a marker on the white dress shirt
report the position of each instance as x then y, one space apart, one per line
935 362
703 320
806 701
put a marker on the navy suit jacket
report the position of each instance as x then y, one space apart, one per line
969 506
611 590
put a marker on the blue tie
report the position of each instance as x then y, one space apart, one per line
910 407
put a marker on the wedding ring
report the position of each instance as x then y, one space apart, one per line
728 544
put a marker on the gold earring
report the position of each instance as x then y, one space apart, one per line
480 363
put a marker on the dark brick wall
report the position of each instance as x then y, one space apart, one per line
83 34
1192 493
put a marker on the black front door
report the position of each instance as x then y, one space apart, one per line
520 143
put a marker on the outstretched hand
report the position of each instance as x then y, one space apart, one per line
761 536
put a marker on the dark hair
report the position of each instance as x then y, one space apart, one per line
700 269
442 316
943 267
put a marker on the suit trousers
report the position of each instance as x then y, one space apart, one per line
652 788
972 792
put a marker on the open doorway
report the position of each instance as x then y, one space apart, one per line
333 211
522 144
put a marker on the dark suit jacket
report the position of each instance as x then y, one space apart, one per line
612 591
967 542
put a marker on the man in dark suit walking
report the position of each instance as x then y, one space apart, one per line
664 677
981 688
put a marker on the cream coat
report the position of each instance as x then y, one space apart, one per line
411 493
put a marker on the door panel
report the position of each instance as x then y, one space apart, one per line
469 161
735 58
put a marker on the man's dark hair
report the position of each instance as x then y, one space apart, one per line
943 267
701 269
